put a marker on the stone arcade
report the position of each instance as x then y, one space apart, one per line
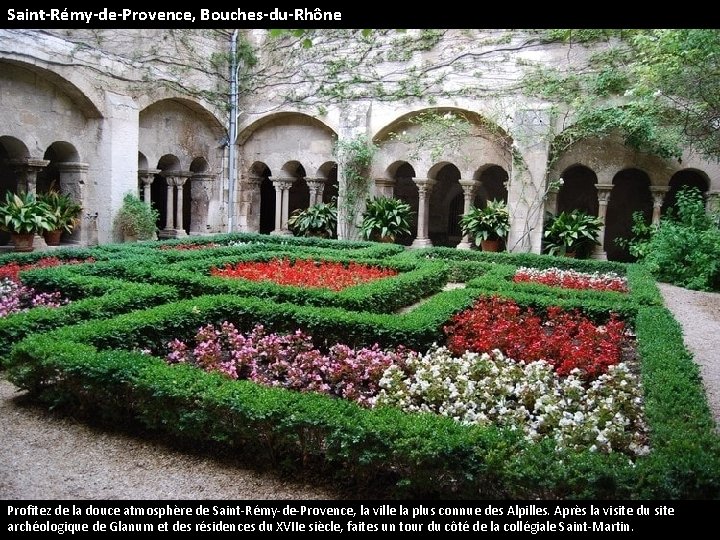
103 112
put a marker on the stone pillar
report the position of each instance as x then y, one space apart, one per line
179 183
658 195
72 182
551 201
468 187
27 170
169 207
147 176
282 203
385 187
603 194
316 187
200 189
249 218
424 186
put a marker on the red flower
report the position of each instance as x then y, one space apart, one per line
305 273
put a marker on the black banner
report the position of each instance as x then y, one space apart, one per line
496 518
342 15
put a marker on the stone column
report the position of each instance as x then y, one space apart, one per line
72 182
27 170
200 190
282 203
468 187
316 187
658 195
180 180
603 194
424 186
385 187
147 176
169 207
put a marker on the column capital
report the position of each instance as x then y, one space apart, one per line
604 187
424 185
72 167
283 182
31 164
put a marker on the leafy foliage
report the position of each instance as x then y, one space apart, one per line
318 220
136 218
572 232
385 217
684 248
489 223
23 213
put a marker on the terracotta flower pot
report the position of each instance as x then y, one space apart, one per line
490 245
52 238
23 241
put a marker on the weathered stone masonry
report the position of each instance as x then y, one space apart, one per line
78 110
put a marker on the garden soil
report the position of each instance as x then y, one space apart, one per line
46 455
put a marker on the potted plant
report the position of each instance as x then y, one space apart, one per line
573 234
385 218
65 215
318 220
488 226
136 219
23 216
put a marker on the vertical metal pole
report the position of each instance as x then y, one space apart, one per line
232 131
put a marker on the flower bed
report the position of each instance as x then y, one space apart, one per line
305 273
572 279
565 339
12 269
15 298
288 361
603 415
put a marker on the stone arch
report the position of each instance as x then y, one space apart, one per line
683 178
578 190
630 193
162 192
57 153
405 189
261 173
330 189
446 205
11 150
492 185
292 146
485 142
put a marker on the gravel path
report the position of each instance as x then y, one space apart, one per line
48 456
699 315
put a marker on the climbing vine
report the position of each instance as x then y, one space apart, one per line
354 157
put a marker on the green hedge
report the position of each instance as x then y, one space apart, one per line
409 454
96 366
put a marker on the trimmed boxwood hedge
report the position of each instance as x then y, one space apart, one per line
96 366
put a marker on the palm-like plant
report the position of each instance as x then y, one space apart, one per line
22 213
318 220
572 232
385 218
489 223
65 211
